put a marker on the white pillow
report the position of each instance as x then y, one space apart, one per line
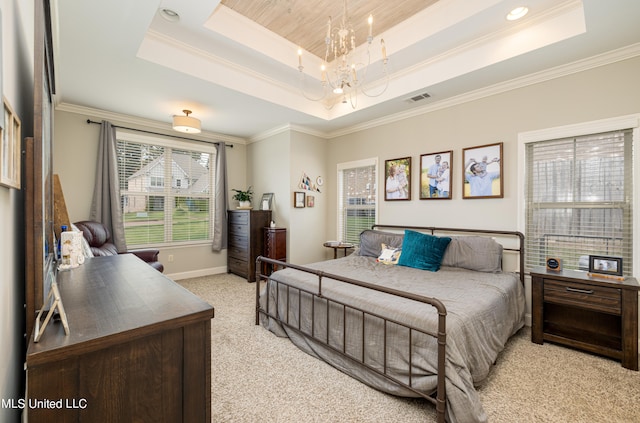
389 255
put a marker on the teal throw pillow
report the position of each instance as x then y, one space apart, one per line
422 251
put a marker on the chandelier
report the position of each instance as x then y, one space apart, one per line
342 74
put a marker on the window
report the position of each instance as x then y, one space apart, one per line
579 199
166 190
357 191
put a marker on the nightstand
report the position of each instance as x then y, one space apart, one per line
588 313
275 247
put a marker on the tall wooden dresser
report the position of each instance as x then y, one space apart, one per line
246 241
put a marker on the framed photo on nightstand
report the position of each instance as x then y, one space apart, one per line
604 265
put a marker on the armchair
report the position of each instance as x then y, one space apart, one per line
99 239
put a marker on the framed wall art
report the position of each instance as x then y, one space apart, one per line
482 172
435 176
10 148
397 184
298 199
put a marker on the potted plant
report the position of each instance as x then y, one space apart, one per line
243 197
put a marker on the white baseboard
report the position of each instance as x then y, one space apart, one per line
197 273
527 319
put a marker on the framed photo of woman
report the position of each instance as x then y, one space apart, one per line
397 184
482 172
435 176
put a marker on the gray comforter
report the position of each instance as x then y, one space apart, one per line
483 311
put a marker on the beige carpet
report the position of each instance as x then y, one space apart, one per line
258 377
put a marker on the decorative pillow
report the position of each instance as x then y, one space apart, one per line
389 255
474 253
371 242
422 251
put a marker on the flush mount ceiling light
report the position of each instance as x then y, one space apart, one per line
186 123
517 13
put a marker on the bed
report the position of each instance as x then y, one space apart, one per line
414 311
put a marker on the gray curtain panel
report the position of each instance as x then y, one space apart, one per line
222 201
105 207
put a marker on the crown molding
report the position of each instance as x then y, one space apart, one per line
146 123
287 128
604 59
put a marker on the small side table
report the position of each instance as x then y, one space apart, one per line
275 247
344 246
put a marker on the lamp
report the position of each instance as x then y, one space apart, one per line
186 123
339 70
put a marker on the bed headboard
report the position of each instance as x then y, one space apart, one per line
502 235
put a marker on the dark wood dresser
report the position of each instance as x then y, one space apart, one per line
589 313
139 349
246 241
275 247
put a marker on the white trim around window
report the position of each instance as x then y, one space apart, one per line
579 129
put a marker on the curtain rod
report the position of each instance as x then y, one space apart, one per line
89 121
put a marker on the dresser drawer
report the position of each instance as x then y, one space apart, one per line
238 251
241 218
584 296
236 229
238 267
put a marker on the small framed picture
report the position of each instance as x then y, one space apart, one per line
482 172
298 199
397 185
311 200
435 176
267 201
10 148
605 265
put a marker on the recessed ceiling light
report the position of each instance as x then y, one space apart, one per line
517 13
170 15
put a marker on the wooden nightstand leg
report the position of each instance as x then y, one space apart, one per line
630 329
537 310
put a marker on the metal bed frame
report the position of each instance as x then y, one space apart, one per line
438 398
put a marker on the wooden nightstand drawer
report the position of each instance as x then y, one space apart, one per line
583 295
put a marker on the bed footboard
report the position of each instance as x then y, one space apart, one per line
438 398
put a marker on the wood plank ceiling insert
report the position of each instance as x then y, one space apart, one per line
304 22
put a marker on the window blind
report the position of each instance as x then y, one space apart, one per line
357 191
166 192
579 200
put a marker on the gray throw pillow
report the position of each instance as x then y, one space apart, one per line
474 253
371 242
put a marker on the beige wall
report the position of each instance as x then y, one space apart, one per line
276 164
16 86
74 157
599 93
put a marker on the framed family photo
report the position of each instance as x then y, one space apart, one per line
397 184
482 172
435 176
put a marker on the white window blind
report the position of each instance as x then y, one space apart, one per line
166 190
579 199
357 192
